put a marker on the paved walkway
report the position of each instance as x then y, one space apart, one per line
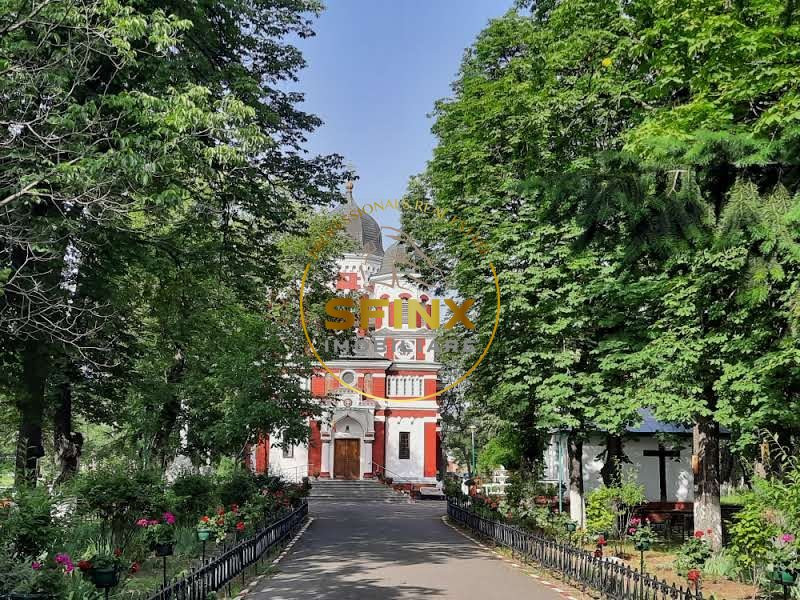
366 550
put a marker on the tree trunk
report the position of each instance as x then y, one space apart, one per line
615 456
170 410
707 510
66 443
575 457
31 402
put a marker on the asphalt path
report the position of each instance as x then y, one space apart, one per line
364 550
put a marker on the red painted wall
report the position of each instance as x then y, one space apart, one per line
430 450
379 445
262 454
314 449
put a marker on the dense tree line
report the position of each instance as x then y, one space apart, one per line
154 203
633 167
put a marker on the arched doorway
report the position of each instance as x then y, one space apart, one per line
347 449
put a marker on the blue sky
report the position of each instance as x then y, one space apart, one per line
375 69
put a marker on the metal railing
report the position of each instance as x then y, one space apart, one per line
219 571
395 477
611 579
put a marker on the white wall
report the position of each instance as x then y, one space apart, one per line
414 467
294 468
645 468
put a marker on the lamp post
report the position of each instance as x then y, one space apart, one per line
472 429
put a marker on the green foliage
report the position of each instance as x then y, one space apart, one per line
694 553
30 527
600 515
119 498
722 563
190 495
237 487
498 451
751 538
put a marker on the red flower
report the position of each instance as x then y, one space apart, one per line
117 552
220 511
205 519
240 526
84 565
234 508
601 541
220 522
135 567
598 553
709 531
693 575
698 534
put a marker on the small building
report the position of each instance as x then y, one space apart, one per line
657 454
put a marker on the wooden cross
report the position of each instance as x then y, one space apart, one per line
662 454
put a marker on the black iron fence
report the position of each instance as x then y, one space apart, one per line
219 571
610 578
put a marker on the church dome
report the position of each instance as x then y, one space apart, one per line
395 259
362 228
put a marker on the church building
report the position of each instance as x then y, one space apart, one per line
382 427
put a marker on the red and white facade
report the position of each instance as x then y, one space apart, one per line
358 436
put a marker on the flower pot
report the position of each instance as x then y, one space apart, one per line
164 549
107 577
203 534
783 577
642 546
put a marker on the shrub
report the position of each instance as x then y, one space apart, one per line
191 495
693 554
30 527
751 538
237 487
119 498
600 515
498 451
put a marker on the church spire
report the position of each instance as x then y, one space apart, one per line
349 194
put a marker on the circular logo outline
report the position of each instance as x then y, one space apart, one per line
418 398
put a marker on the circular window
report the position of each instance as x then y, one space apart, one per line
349 377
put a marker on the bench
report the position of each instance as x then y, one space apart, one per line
432 492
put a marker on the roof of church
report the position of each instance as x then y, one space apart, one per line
396 253
361 227
650 424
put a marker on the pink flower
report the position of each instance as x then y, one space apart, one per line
632 530
635 521
142 522
169 518
698 534
36 565
788 538
153 522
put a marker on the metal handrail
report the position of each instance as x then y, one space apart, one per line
395 476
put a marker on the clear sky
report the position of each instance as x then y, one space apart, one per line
375 69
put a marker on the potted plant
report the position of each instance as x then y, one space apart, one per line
388 480
316 475
44 580
784 560
159 534
103 568
206 528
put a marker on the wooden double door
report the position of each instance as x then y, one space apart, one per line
347 459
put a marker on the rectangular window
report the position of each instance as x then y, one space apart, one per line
288 449
405 445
